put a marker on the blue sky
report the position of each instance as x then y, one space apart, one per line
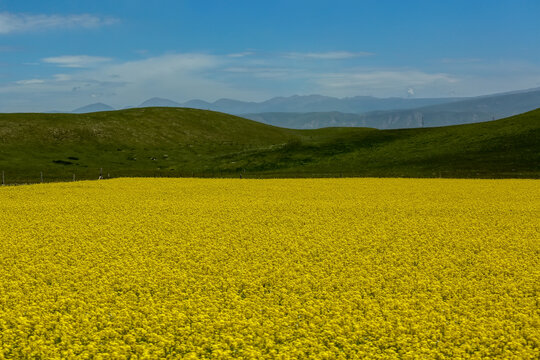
59 55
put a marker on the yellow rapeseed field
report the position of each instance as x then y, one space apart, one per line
271 269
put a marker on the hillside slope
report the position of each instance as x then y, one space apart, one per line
381 120
189 142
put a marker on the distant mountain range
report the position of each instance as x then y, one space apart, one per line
300 104
93 108
159 102
316 111
471 110
296 103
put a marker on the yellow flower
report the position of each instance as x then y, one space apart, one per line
270 269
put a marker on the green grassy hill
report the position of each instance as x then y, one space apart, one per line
189 142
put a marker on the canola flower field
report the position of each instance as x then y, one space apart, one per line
270 269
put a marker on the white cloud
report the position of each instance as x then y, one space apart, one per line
382 78
241 54
383 82
76 61
62 77
11 22
165 64
331 55
257 77
30 82
179 77
261 72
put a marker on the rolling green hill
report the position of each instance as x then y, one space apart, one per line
189 142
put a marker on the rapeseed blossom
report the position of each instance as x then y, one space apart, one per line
270 269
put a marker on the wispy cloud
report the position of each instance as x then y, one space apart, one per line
76 61
261 72
30 82
241 54
182 76
12 22
62 77
177 76
331 55
382 78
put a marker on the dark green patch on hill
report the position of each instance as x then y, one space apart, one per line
189 142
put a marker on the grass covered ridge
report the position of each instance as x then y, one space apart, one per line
190 142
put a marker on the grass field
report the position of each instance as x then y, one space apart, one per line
271 269
177 142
